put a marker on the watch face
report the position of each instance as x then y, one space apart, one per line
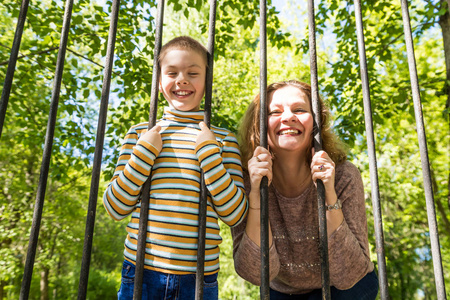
337 205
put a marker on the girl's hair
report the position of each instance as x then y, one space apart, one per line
183 43
249 130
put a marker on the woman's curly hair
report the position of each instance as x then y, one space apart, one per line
249 130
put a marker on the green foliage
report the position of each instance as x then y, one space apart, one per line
236 81
406 230
231 286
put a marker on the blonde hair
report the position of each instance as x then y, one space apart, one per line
249 130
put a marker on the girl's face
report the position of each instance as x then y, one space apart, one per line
182 80
290 124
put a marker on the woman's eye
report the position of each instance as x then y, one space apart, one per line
274 113
193 74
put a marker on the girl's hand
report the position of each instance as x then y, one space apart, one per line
260 165
322 167
153 137
205 134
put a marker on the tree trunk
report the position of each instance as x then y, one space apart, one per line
2 289
448 186
440 206
44 283
444 22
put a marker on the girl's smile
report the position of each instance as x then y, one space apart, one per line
183 79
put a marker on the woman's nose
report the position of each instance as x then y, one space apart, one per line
288 116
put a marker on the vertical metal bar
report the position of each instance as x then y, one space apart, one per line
431 212
264 217
39 205
93 195
210 71
323 238
203 204
143 217
12 62
384 292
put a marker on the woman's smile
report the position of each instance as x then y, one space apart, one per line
290 123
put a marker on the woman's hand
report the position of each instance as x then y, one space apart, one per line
259 165
322 167
153 137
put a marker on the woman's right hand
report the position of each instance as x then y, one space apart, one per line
260 165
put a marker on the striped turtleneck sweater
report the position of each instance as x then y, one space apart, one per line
172 231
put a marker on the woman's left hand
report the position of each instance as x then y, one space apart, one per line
322 167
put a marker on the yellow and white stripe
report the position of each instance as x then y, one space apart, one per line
172 230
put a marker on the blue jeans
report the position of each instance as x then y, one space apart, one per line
163 286
365 289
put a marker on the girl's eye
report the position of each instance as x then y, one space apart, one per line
171 73
193 74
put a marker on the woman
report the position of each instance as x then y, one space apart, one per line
292 168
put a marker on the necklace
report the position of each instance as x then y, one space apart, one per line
291 191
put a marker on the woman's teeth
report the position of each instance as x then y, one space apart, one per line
289 131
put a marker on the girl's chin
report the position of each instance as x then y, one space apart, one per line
185 106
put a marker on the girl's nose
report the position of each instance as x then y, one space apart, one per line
182 80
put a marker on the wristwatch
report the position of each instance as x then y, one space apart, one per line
337 205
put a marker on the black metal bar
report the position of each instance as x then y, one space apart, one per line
143 217
431 212
12 62
203 204
93 195
264 191
210 71
323 238
382 277
40 196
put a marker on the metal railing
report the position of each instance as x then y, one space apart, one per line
378 222
203 206
431 211
264 190
323 238
143 217
323 248
93 194
40 196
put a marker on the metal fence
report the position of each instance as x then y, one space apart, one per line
38 209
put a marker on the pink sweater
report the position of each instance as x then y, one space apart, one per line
294 256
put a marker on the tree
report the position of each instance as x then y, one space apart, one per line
237 41
73 146
407 246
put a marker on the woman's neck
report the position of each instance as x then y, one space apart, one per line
291 174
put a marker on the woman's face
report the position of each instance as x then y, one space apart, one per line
290 124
